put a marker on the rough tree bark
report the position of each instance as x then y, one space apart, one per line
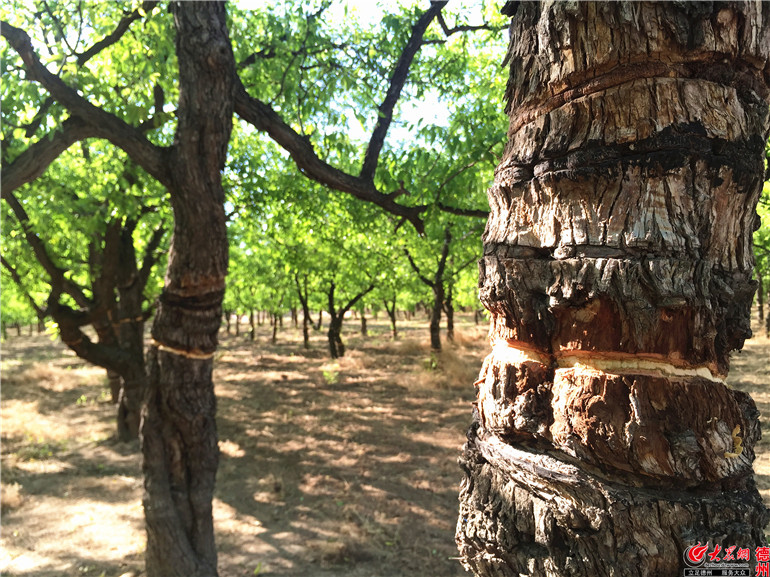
617 269
179 437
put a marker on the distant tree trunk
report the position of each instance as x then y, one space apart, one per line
18 329
304 301
617 271
294 317
760 297
228 314
179 436
334 335
252 325
4 329
390 307
364 332
237 324
275 322
319 324
437 286
449 311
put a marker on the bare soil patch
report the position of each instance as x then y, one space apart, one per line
327 468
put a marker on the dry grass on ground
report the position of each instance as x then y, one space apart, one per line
328 467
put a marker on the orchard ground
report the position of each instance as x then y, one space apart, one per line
327 468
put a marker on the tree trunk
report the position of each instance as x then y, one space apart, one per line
605 441
179 436
228 314
364 332
294 317
275 328
760 297
334 335
4 328
237 324
319 324
435 317
449 311
252 326
391 310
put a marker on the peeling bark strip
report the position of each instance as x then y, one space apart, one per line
617 268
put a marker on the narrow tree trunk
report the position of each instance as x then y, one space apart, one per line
392 313
363 324
605 440
305 331
760 297
435 319
114 384
294 317
228 314
179 436
237 324
319 324
18 329
275 328
4 329
253 326
449 311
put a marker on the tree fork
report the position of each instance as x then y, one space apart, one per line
617 270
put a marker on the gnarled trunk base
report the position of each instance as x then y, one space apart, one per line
525 512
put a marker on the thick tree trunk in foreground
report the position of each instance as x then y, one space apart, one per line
179 437
617 269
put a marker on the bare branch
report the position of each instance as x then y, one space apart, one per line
151 255
39 249
102 124
417 270
33 162
116 34
466 28
17 279
264 118
463 211
397 81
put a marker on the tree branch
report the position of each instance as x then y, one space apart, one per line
102 124
34 161
17 279
151 255
466 28
355 299
463 211
417 270
58 281
264 118
444 255
397 81
116 34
